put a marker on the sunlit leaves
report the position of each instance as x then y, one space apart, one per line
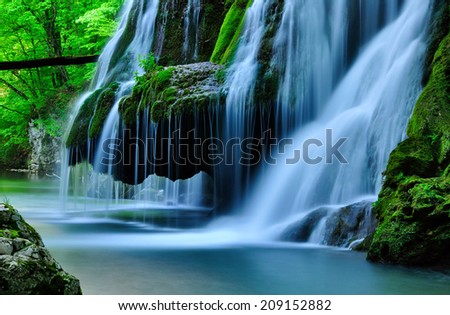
81 27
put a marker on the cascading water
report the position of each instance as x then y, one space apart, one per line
240 83
119 63
368 109
312 50
342 67
191 24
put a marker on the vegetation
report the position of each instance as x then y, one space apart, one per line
230 31
171 90
414 205
41 97
171 33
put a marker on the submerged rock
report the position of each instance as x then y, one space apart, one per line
342 227
302 230
26 266
350 225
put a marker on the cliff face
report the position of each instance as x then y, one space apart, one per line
186 31
414 204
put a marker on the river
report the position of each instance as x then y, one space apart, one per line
110 256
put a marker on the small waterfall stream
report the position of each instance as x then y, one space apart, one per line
191 25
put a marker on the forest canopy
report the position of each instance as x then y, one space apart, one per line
41 97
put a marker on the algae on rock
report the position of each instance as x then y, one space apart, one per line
26 266
173 91
414 204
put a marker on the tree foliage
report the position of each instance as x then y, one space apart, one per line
36 29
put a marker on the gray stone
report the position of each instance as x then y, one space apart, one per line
20 243
5 214
45 151
6 246
26 267
343 226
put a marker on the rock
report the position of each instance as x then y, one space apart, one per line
26 266
413 207
348 224
6 247
170 35
342 226
45 151
301 231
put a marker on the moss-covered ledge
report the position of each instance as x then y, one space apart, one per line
92 115
174 91
414 205
26 266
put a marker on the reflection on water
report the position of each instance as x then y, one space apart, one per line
115 257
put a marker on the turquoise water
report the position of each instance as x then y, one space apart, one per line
116 257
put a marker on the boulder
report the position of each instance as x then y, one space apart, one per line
26 266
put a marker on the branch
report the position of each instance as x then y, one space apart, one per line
20 93
48 62
15 111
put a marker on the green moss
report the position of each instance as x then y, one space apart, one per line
414 205
414 156
162 78
105 102
128 108
6 233
159 111
230 32
79 133
92 115
170 31
221 76
438 28
432 113
171 91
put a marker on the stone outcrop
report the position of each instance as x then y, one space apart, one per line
414 205
344 227
45 151
26 266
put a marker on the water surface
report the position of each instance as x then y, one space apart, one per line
116 257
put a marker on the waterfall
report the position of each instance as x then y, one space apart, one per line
346 74
367 106
120 62
191 25
240 83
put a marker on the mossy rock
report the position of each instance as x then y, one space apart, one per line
26 266
173 91
414 204
170 31
411 157
92 115
230 31
105 102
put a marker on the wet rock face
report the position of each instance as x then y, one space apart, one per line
413 207
26 266
187 34
350 224
45 151
342 227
